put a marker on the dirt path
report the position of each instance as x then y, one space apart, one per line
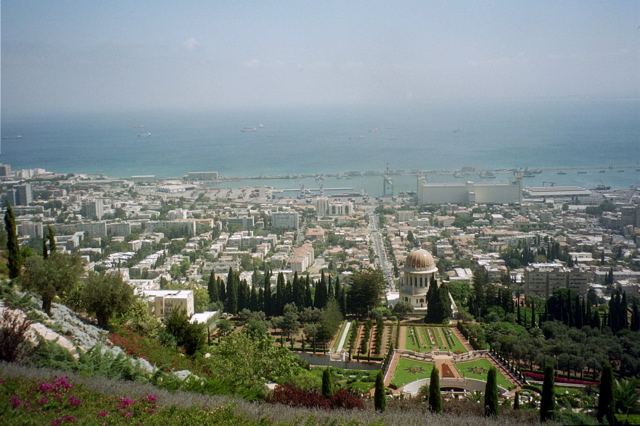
402 342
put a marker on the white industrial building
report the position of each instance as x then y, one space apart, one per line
470 192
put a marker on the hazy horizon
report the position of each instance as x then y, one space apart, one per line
83 56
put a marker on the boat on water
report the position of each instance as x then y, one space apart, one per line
527 173
582 173
12 137
601 187
602 171
487 174
562 173
144 135
249 129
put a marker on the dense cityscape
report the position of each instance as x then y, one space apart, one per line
470 280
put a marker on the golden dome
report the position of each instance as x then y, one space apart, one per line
421 260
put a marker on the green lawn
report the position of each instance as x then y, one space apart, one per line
457 345
483 367
408 371
436 335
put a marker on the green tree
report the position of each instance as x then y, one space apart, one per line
516 401
213 289
491 394
327 383
330 320
106 296
289 322
51 236
224 328
606 401
379 396
366 290
14 257
190 336
439 304
250 360
435 397
626 395
56 275
547 402
402 309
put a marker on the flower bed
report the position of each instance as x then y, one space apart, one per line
540 377
446 371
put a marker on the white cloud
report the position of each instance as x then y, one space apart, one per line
190 44
252 63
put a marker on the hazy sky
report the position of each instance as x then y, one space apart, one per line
101 55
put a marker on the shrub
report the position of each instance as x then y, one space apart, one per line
14 328
296 397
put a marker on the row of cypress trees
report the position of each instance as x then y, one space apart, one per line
237 295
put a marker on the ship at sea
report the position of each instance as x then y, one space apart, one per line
12 137
601 187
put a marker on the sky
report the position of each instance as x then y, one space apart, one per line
87 55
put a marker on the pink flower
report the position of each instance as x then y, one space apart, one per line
74 401
103 413
15 401
125 402
43 401
128 413
151 398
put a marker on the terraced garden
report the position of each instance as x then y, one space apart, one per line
425 339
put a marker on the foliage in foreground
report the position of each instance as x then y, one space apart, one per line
93 395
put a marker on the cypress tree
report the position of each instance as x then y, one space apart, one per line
268 302
623 321
533 314
327 384
308 299
212 288
14 257
231 304
606 400
635 316
595 322
320 299
222 290
547 401
491 394
516 401
435 398
578 313
288 293
52 239
379 397
280 295
299 291
45 252
519 316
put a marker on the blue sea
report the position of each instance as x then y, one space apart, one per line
339 139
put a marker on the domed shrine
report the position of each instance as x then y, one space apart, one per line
420 272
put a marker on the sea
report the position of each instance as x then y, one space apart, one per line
345 148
